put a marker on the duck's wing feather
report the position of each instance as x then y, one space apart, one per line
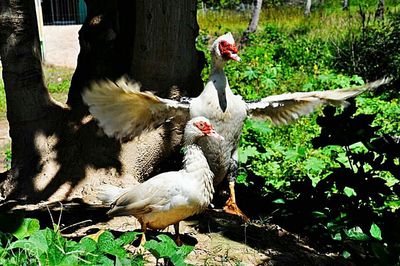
158 193
122 110
284 108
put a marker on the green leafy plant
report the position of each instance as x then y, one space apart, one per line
166 248
373 50
7 158
22 242
355 197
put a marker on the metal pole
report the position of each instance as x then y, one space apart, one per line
39 19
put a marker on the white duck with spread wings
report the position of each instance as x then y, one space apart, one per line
122 110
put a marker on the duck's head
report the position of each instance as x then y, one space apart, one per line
199 127
225 48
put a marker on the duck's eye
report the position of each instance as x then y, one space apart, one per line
200 125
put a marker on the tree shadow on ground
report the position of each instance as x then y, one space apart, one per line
281 246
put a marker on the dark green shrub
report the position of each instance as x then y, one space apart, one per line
372 52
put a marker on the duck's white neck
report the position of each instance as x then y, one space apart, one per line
194 159
218 81
195 164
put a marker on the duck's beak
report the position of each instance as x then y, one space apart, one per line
235 57
214 134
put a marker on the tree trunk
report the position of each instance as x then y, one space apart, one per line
28 101
307 10
164 50
253 22
255 16
345 5
58 152
380 10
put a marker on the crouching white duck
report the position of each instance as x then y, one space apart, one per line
168 198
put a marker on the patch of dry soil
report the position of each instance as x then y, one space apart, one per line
4 143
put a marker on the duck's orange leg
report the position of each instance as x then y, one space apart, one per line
231 206
178 240
143 238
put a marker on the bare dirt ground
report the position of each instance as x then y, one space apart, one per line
61 45
4 143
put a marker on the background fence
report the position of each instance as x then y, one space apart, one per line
63 12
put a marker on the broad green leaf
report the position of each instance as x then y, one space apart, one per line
307 86
242 178
153 247
167 248
247 152
357 79
279 201
127 238
107 244
25 245
185 250
258 126
349 191
375 231
314 164
159 249
36 244
69 260
71 246
356 233
27 228
122 262
292 155
301 151
346 254
104 261
167 240
178 260
337 237
42 239
88 245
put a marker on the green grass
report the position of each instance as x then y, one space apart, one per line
57 80
324 22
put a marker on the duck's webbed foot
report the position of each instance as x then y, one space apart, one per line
230 205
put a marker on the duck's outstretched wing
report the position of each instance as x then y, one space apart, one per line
122 110
284 108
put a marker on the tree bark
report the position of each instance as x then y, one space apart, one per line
252 27
58 152
345 5
28 101
255 16
307 10
164 50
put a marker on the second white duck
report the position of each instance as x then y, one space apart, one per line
170 197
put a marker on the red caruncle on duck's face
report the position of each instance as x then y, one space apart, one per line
205 127
228 50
